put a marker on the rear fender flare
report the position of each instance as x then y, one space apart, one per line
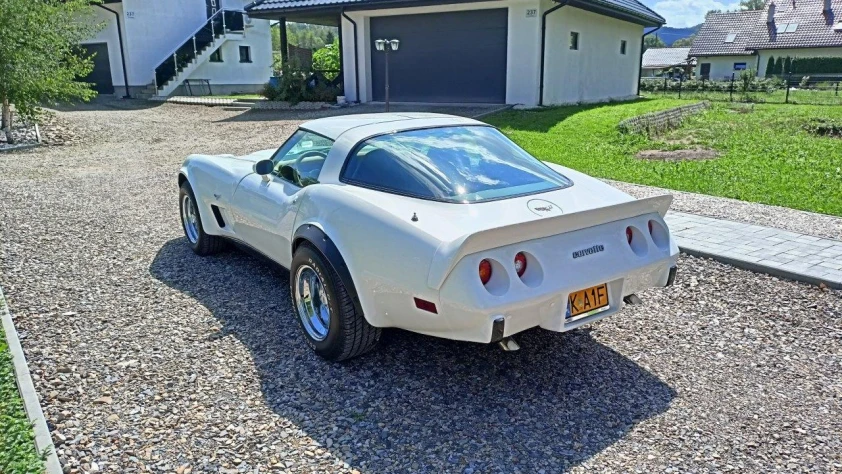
315 236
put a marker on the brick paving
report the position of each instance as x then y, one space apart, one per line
765 249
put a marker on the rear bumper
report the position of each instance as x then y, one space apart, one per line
548 311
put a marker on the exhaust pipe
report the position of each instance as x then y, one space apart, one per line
508 344
633 300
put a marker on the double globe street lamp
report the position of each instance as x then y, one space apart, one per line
385 46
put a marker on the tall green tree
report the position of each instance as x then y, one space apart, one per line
653 41
746 5
40 60
770 67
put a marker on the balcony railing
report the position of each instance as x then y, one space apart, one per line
223 21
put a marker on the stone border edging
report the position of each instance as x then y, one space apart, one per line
31 404
758 268
654 123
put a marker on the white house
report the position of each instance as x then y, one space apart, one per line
720 46
728 43
151 47
528 52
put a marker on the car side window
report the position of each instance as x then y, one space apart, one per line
301 158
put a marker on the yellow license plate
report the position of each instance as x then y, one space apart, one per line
585 301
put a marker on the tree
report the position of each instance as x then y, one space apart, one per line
770 67
329 39
653 41
40 60
684 42
787 65
779 66
752 5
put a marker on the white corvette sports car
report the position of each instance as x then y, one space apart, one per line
430 223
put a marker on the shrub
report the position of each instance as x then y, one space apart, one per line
817 66
327 59
805 82
770 67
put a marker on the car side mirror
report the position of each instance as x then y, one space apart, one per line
264 167
288 173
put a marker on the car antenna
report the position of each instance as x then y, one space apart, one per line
414 217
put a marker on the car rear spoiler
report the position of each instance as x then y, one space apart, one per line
450 253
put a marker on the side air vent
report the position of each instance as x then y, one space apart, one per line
218 215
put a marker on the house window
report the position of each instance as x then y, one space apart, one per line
216 56
245 54
574 40
740 66
623 45
731 37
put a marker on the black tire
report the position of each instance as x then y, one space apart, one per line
348 333
205 244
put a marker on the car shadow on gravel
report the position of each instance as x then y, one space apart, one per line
417 403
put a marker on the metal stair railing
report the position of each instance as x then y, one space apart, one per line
218 24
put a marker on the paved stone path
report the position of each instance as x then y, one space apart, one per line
763 249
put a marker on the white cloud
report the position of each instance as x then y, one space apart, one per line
683 13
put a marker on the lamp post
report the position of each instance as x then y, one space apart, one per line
385 46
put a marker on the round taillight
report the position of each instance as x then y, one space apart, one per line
629 234
484 271
520 264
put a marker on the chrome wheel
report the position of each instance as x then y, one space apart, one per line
190 219
311 302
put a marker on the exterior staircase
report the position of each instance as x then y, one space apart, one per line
223 26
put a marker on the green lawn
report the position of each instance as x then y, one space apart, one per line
17 446
766 156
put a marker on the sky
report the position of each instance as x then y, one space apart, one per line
683 13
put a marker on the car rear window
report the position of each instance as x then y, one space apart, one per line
452 164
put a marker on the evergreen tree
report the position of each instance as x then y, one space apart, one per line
779 66
770 67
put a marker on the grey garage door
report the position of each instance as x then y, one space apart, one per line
101 75
443 57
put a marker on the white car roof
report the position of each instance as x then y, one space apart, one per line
373 124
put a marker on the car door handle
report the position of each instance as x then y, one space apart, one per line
217 196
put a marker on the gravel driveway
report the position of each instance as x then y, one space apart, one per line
151 359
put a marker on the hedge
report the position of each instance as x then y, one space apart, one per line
805 66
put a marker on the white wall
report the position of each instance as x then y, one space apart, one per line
154 28
596 71
523 46
231 70
721 67
109 35
796 53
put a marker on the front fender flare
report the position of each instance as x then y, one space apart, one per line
316 237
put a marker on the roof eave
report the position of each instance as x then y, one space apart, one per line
273 13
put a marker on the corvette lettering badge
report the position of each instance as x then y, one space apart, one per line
588 251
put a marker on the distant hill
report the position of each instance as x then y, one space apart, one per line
670 35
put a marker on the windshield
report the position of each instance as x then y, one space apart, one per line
452 164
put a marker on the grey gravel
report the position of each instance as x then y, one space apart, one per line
151 359
793 220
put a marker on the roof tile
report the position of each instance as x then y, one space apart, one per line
711 39
655 58
815 29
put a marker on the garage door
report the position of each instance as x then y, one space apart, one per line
443 57
101 75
